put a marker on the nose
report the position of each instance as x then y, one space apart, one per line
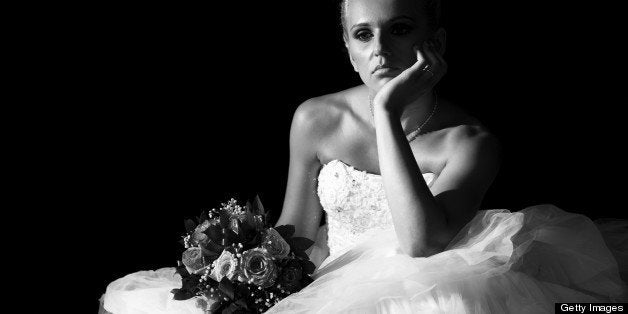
380 47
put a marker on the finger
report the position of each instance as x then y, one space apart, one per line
442 64
423 76
430 54
439 67
425 66
421 60
415 72
439 55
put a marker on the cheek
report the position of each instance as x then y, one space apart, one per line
361 63
360 59
406 54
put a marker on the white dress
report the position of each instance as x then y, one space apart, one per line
501 262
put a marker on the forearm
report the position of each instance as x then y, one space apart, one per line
418 220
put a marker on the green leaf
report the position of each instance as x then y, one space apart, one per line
180 294
241 302
299 243
190 225
255 241
228 237
238 229
204 216
226 286
258 208
308 267
306 280
286 231
225 220
181 270
190 282
214 233
231 309
242 290
302 254
247 227
214 247
217 307
209 254
232 236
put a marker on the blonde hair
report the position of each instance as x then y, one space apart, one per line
432 10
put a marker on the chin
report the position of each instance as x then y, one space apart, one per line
377 83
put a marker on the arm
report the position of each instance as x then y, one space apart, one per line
301 206
425 223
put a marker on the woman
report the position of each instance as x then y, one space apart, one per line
395 123
392 236
396 241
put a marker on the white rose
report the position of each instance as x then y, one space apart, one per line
258 268
225 265
274 243
193 259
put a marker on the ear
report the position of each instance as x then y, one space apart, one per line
355 67
440 40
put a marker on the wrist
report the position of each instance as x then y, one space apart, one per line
389 111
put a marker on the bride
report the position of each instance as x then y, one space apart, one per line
400 174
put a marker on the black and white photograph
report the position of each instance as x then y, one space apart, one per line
349 156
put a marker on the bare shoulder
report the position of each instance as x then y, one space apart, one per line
459 131
320 116
469 153
474 148
472 136
316 114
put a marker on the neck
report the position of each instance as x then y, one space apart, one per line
414 113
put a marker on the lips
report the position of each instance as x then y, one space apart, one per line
383 68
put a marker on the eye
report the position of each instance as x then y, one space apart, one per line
401 29
363 35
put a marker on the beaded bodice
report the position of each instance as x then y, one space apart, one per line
355 204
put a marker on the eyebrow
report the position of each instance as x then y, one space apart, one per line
392 20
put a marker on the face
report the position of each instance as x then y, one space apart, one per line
381 36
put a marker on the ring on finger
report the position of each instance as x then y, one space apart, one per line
427 69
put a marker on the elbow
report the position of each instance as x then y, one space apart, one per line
424 250
429 247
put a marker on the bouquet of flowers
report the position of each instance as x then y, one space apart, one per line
235 263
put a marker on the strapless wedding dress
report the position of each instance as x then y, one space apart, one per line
501 262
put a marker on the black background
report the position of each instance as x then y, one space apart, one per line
181 108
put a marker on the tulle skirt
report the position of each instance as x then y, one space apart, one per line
501 262
147 292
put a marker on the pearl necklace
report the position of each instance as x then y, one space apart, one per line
414 134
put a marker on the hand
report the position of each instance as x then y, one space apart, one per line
413 82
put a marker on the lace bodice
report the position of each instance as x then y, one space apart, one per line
355 204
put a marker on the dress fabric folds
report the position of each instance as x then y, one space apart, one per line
500 262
